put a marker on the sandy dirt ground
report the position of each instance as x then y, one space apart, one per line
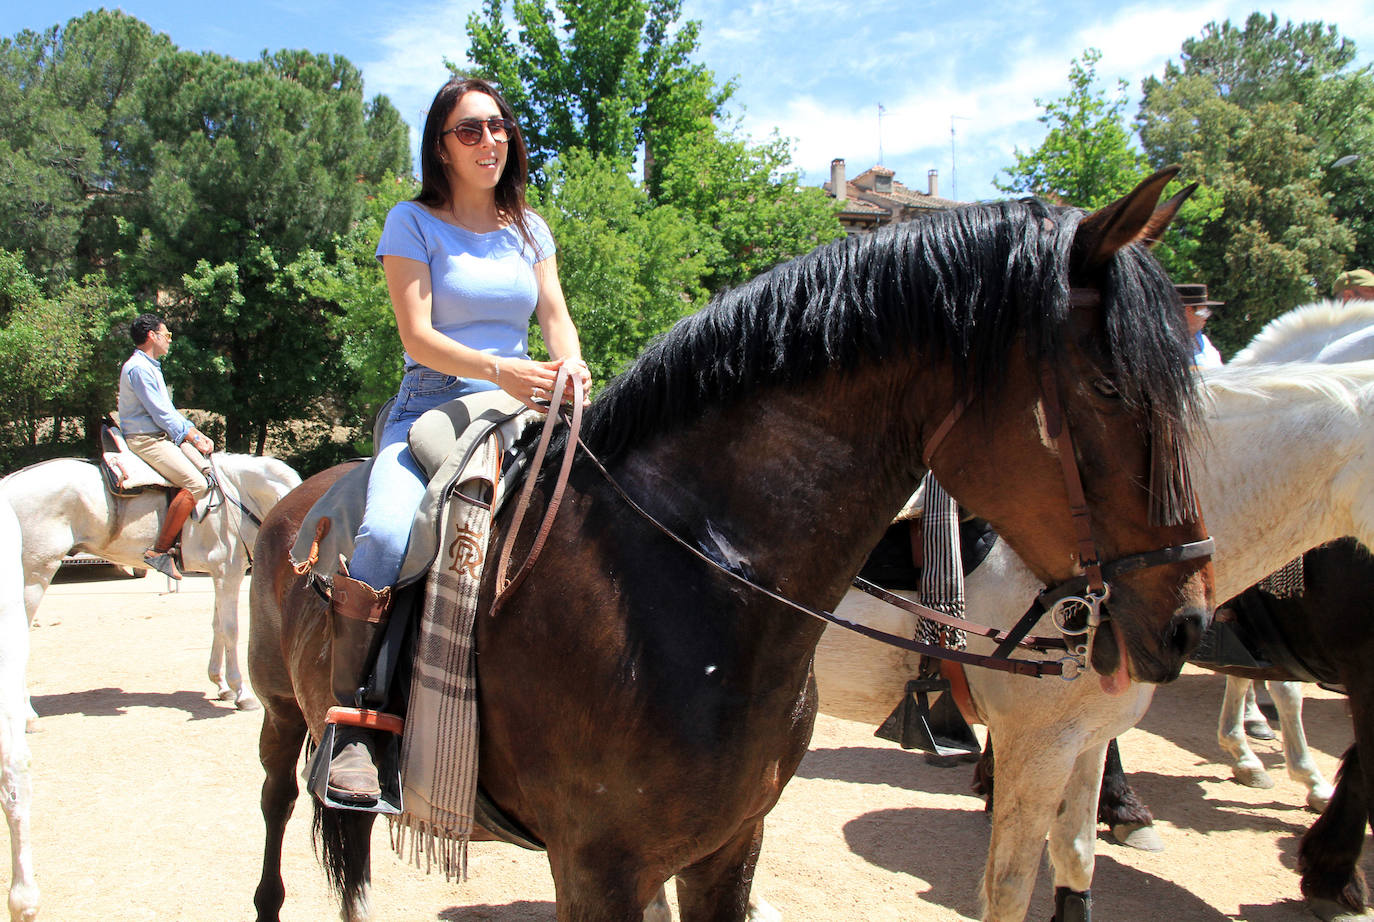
146 801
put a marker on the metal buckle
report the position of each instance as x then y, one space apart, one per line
1077 617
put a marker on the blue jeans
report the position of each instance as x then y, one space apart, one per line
396 485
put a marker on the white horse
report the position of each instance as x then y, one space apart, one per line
1327 331
1309 485
63 507
14 707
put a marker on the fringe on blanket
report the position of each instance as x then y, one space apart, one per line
942 571
439 746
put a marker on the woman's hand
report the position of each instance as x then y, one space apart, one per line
532 382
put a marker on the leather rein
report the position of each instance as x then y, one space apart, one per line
1075 605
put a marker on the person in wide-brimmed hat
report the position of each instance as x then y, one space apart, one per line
1199 309
1355 285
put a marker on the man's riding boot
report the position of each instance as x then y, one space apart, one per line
159 555
357 616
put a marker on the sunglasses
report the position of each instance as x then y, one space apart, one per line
469 130
1202 313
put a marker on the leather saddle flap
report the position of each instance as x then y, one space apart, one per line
125 472
442 441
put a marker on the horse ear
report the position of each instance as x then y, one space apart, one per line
1129 219
1164 216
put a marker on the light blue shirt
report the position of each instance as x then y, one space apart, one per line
484 286
145 403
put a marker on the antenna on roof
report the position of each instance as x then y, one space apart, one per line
881 110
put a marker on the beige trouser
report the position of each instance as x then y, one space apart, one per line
181 464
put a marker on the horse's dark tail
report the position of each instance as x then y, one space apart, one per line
343 844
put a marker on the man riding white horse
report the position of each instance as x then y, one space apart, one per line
160 435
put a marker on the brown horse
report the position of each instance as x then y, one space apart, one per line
629 681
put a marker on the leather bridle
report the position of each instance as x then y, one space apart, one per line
1074 605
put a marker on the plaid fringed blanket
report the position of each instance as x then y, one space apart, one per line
439 747
942 572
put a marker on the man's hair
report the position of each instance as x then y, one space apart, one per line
143 325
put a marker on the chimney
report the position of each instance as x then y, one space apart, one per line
933 177
837 181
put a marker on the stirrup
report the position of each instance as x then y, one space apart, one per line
387 745
164 563
938 729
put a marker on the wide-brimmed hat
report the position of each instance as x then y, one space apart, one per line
1194 295
1355 278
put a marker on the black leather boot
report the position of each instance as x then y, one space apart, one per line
357 617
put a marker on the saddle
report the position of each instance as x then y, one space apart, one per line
442 441
125 473
1247 636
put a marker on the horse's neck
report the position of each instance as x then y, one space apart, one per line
794 495
1270 481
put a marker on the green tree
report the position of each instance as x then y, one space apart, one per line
1249 113
65 98
753 212
249 168
603 75
1087 158
629 269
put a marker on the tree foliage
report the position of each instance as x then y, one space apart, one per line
597 82
1257 114
1087 158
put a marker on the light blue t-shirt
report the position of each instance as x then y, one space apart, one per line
484 284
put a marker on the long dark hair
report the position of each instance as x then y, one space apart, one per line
510 188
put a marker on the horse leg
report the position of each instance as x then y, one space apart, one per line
226 641
759 909
1248 769
716 889
1302 768
1122 810
1073 836
15 791
279 745
37 577
1329 854
1256 725
1030 786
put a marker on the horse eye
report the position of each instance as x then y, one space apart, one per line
1106 387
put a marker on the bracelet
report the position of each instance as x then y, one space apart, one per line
495 371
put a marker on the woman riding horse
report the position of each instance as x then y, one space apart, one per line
466 264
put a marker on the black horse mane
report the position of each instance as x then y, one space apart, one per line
962 284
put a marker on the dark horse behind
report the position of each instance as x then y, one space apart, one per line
640 710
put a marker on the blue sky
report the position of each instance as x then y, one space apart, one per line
814 70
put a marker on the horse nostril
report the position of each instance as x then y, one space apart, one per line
1185 632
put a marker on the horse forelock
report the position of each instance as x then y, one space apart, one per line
1152 365
962 285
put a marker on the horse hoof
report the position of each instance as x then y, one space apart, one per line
1318 799
1142 836
1332 911
248 703
761 911
227 694
1259 730
1254 778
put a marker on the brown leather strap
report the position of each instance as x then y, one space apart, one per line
1073 483
362 717
503 587
942 430
321 529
